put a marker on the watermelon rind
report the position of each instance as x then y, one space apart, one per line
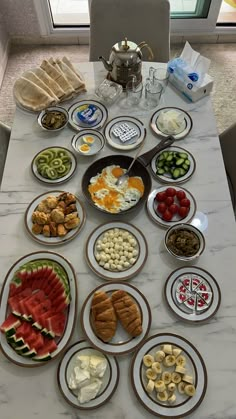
41 358
23 348
30 354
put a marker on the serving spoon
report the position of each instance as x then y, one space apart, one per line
146 157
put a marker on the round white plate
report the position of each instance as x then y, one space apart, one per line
152 206
192 294
133 124
166 178
98 144
109 381
72 308
185 129
122 342
195 366
116 275
61 179
53 241
77 124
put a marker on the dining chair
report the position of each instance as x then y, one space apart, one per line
5 132
228 147
138 20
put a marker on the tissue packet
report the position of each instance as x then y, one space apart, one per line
188 74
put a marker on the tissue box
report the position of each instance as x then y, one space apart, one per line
195 93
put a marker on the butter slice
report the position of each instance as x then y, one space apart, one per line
89 391
83 361
82 377
97 366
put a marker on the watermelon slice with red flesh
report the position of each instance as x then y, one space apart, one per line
35 340
13 301
24 330
10 325
42 319
49 345
35 299
41 308
56 323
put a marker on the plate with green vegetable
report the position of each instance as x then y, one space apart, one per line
54 165
173 165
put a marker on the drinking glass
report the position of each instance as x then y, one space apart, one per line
153 93
159 75
134 92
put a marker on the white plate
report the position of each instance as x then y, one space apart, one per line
77 124
133 123
61 179
72 308
109 381
152 206
116 275
98 144
184 300
195 366
186 128
122 342
166 178
53 241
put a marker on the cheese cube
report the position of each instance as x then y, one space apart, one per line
81 377
83 361
97 366
89 391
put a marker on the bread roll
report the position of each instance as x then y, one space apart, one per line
127 312
103 316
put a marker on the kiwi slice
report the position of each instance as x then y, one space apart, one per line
61 170
55 163
51 173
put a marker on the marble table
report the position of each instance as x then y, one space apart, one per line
28 393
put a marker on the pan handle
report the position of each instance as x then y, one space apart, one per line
146 158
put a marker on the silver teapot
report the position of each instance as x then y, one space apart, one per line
125 61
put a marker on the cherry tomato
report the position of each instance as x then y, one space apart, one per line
170 192
173 208
169 200
161 196
167 216
180 195
185 202
183 211
161 207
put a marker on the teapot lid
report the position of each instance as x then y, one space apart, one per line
125 46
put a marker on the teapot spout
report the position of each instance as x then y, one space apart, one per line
106 64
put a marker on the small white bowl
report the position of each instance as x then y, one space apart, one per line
98 144
189 228
53 109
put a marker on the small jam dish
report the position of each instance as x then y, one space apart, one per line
88 142
54 118
184 241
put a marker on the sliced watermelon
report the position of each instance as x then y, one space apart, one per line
56 324
15 287
35 340
10 325
15 341
24 330
35 299
44 354
41 308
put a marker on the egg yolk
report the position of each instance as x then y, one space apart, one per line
136 183
84 147
89 140
117 172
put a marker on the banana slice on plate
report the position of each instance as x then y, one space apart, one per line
167 349
176 377
162 396
150 374
171 387
159 356
190 390
181 387
172 398
181 361
177 352
150 386
187 379
180 370
156 367
169 361
166 377
160 386
148 360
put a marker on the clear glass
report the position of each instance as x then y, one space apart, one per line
133 92
153 92
159 75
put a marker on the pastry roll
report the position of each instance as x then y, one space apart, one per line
30 75
127 312
103 316
31 96
58 77
52 84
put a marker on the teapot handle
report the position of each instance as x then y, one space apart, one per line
144 44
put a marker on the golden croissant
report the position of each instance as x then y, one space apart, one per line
128 313
103 316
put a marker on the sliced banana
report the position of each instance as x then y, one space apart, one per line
180 370
177 352
150 374
150 386
166 377
176 377
181 361
160 386
156 367
169 361
172 399
171 387
159 356
187 379
190 390
148 360
162 396
181 387
167 349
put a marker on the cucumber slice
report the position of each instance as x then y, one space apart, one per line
160 171
176 173
183 155
182 171
185 166
187 162
160 164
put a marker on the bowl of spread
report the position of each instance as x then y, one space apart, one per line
54 118
184 241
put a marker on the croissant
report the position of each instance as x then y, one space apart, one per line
128 313
103 316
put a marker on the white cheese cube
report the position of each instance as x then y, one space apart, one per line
82 377
97 366
83 361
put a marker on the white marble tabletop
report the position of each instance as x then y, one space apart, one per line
28 393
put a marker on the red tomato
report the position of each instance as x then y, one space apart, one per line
173 208
185 202
169 200
170 192
167 216
161 196
161 207
180 195
183 211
